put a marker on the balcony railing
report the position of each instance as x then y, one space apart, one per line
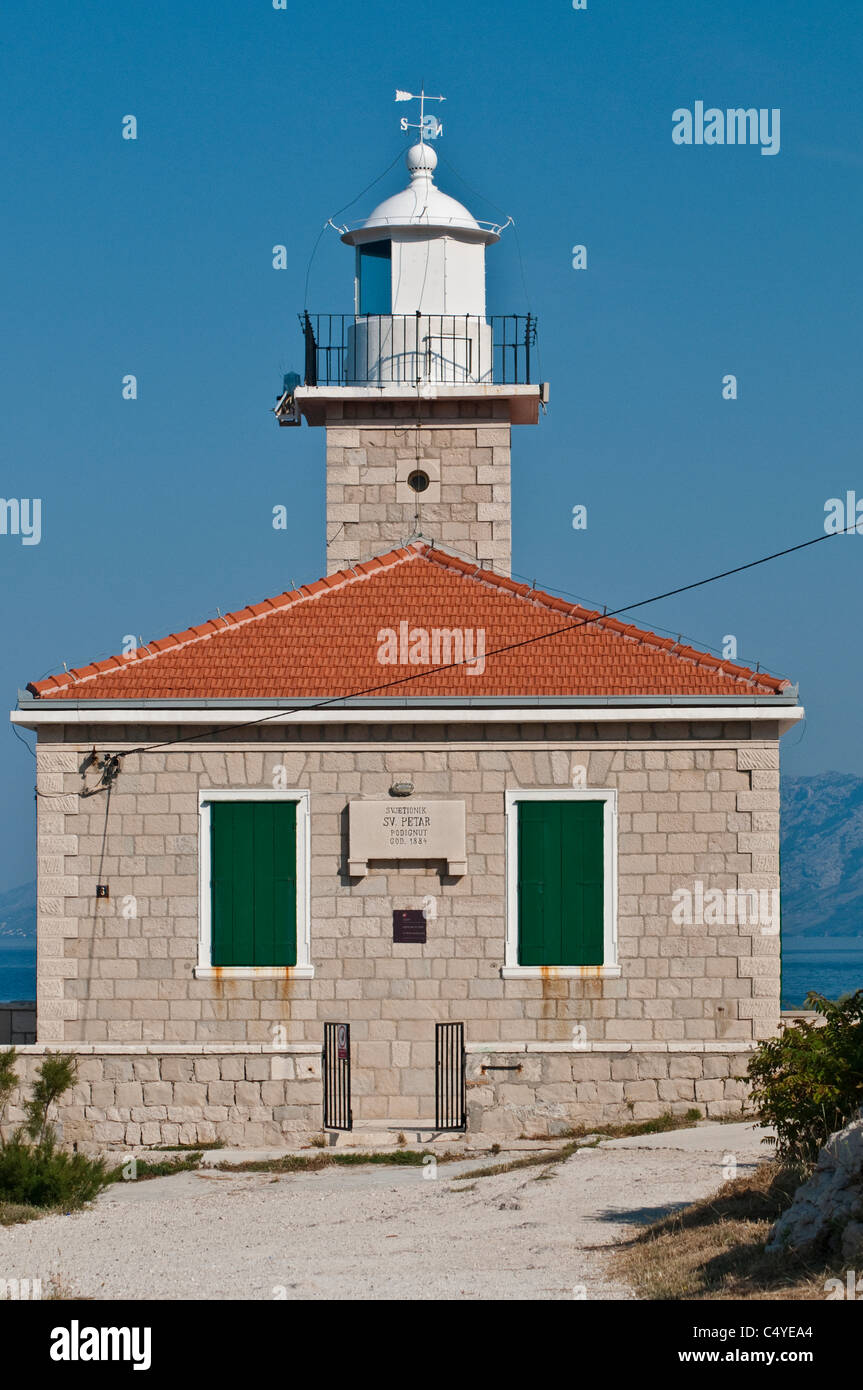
417 349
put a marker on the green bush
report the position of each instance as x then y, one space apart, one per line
41 1175
808 1082
34 1172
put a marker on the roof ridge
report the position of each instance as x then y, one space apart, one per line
225 622
472 570
592 616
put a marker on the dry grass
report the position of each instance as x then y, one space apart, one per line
13 1213
546 1158
302 1163
583 1137
662 1124
714 1249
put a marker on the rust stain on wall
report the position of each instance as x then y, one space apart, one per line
553 989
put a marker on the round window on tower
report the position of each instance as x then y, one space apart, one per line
418 480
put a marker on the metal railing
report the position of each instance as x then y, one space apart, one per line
417 349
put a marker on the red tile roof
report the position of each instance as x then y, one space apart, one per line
325 639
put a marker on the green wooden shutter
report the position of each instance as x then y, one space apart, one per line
583 873
561 882
538 883
253 868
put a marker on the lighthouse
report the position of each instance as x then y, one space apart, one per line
407 844
419 387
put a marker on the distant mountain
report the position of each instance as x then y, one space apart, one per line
822 855
822 864
18 915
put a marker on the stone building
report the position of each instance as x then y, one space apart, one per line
522 856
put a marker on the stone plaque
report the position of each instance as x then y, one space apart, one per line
407 830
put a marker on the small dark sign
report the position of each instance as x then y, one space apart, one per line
409 924
342 1042
102 890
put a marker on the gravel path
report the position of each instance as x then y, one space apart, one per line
376 1232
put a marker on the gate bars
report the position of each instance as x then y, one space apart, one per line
450 1077
450 1090
336 1069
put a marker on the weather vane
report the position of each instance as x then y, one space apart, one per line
429 127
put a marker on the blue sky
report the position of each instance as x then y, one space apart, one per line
154 257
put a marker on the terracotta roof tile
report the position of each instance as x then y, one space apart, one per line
325 639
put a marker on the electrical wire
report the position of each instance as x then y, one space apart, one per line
598 618
338 213
482 197
586 602
23 740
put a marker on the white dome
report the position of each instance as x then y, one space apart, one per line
421 157
421 204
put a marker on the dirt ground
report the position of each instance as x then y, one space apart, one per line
540 1232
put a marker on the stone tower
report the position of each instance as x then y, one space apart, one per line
419 388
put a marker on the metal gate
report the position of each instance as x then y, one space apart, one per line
450 1088
337 1076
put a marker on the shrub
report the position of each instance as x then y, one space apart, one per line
808 1082
34 1172
56 1075
41 1175
8 1081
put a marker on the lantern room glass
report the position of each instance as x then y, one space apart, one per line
374 277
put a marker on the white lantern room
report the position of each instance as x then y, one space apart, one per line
420 316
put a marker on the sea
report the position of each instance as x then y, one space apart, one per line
832 967
18 971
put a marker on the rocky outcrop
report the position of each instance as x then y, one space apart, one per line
826 1216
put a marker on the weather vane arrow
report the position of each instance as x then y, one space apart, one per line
429 127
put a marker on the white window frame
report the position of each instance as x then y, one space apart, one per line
303 970
610 968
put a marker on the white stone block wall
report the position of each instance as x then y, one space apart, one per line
127 1096
134 1095
548 1089
368 512
691 808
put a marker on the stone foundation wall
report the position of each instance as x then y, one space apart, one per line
124 1097
258 1097
555 1089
